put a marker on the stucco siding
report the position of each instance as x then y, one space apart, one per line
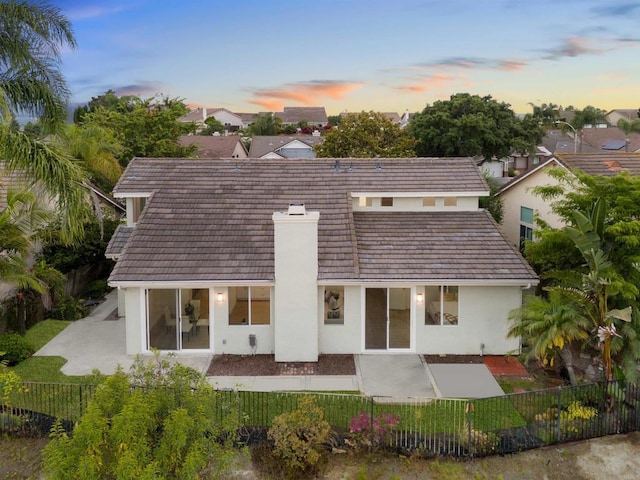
520 195
483 313
134 324
343 338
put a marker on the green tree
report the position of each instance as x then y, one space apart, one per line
96 150
493 204
144 128
546 113
550 328
19 221
213 125
590 115
366 135
266 124
162 420
469 125
31 36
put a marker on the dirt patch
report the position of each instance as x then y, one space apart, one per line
265 365
21 457
453 359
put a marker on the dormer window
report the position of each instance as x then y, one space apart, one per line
450 201
386 202
138 205
365 201
429 202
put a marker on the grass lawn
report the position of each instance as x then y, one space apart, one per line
46 369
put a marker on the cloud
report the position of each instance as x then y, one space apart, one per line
473 63
435 82
142 89
306 93
84 12
621 10
572 47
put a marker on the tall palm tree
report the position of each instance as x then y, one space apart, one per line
629 127
31 36
550 327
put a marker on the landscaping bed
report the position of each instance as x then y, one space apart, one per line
265 365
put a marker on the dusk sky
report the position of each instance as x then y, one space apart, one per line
388 55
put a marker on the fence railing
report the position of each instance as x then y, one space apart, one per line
428 426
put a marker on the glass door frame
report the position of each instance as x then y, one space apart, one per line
411 327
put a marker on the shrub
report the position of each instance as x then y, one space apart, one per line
161 420
365 433
298 436
97 288
15 347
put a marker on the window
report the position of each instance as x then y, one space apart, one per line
526 226
334 305
386 202
365 202
138 206
249 305
441 305
450 201
429 202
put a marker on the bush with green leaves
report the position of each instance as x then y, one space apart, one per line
298 437
16 348
161 420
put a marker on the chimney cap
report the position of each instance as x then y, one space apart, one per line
296 209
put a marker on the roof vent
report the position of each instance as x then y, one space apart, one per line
378 167
336 167
296 209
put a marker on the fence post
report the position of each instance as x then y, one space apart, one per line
81 407
559 413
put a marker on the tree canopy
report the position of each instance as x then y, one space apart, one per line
469 125
144 128
31 37
366 135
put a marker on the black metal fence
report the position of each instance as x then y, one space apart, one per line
430 427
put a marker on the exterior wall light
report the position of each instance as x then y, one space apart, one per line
419 297
220 297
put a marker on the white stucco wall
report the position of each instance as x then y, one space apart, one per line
483 313
234 339
134 322
296 288
520 195
344 338
415 204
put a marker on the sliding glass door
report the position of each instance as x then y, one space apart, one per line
387 318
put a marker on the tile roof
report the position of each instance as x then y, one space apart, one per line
436 246
263 144
597 138
603 164
211 146
118 240
210 221
293 115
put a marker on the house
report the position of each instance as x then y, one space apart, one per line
629 114
607 140
280 146
521 205
308 256
215 146
232 122
313 116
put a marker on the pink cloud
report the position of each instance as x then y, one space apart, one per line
310 93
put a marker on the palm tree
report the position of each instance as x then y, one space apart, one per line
31 36
628 127
550 327
96 150
19 221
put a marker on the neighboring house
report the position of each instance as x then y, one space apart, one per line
197 115
521 206
281 146
607 140
629 114
215 146
232 122
313 116
309 256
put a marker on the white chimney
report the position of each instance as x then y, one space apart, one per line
296 284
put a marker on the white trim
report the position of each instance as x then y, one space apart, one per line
132 195
519 178
472 193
